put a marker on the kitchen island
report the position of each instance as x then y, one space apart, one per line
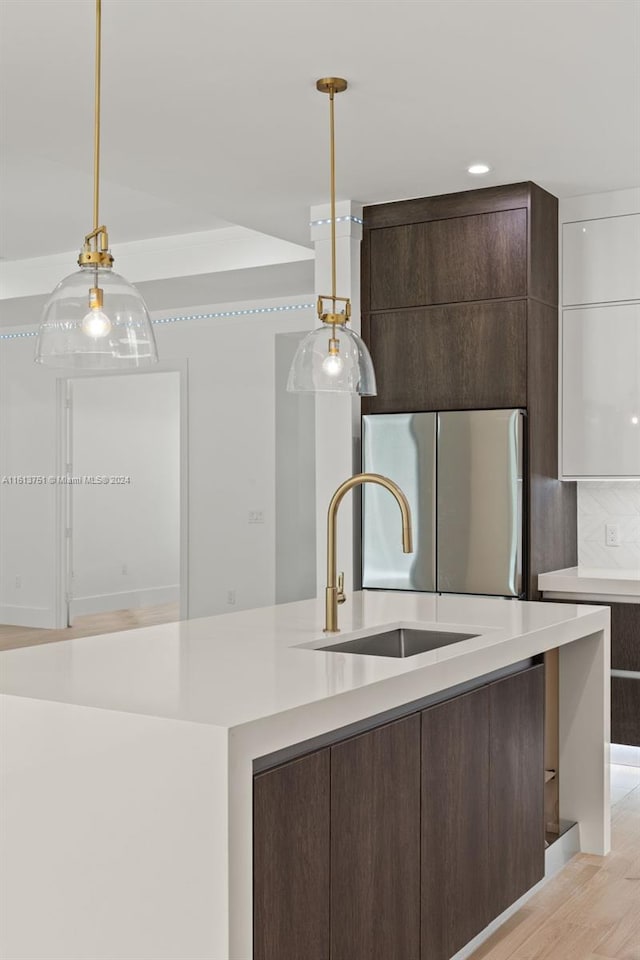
128 760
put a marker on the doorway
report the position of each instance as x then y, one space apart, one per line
122 498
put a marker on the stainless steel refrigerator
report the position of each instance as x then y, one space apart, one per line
462 473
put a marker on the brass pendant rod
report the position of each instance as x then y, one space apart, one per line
331 86
96 123
97 255
333 194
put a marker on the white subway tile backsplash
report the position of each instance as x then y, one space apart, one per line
600 503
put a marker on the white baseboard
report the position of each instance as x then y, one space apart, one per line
41 617
624 755
128 600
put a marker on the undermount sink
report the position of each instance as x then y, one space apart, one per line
403 642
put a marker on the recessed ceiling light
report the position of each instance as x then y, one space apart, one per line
478 168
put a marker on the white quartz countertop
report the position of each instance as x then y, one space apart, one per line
243 667
592 581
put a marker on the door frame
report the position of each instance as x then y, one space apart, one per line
62 585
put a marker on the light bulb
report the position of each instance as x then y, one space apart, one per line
96 324
332 365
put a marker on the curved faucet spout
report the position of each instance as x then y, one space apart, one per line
334 594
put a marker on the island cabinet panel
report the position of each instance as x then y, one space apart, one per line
459 357
375 844
455 823
291 860
406 841
481 257
516 807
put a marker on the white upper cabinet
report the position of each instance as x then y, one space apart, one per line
601 391
601 260
600 336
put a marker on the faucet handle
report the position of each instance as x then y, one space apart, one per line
341 594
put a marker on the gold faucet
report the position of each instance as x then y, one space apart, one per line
335 588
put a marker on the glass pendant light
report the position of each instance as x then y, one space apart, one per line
333 358
95 319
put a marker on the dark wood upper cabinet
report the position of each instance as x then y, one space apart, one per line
481 257
455 823
291 860
516 807
464 356
445 206
375 844
543 245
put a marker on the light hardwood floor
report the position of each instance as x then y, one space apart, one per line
591 909
90 626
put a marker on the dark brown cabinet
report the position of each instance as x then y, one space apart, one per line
291 860
404 842
455 823
516 807
625 710
464 356
625 691
625 637
375 844
625 656
482 257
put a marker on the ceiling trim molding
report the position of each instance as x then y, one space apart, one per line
181 318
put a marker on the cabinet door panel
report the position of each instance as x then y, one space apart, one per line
516 808
291 860
480 257
600 260
625 637
455 823
625 710
375 844
601 391
471 356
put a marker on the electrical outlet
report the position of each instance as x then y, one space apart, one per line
18 583
256 516
612 535
231 597
125 570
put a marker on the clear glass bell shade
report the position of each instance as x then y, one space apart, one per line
332 359
96 320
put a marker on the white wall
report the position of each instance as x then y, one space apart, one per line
125 536
295 476
230 364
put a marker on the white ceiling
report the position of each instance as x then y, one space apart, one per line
210 113
272 282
